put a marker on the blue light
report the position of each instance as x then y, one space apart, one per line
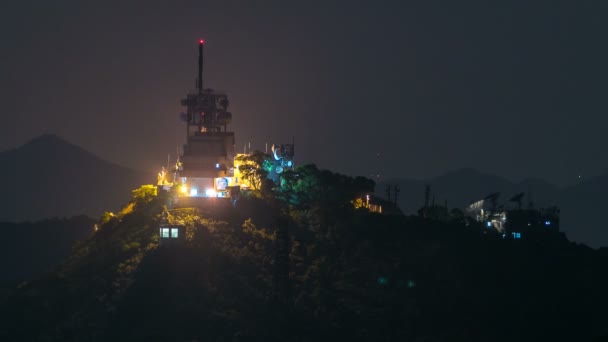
217 165
489 224
547 223
289 163
516 235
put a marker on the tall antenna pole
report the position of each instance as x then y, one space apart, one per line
200 66
397 190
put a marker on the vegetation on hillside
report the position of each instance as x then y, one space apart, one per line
299 262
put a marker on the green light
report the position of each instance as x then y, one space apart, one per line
382 280
267 165
411 284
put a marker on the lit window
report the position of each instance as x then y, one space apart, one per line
174 232
516 235
164 232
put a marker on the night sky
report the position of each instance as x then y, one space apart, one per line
405 90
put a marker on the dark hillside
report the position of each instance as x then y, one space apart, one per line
584 205
264 271
33 248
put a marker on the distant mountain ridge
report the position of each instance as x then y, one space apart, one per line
582 205
51 177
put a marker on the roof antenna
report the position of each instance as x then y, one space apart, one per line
200 66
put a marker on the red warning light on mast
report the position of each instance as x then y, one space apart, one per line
201 41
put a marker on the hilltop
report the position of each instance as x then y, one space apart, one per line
314 270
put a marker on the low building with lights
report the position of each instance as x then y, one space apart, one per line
171 234
514 223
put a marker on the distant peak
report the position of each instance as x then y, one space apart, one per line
46 138
51 142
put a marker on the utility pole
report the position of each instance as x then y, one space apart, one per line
397 191
427 195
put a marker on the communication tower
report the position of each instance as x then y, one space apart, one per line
206 165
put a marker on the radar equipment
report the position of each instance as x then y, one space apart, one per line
493 198
517 198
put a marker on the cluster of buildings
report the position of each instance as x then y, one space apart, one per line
514 222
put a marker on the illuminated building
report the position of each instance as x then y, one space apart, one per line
171 234
514 223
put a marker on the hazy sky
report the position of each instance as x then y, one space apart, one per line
518 90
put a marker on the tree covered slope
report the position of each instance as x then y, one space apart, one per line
305 266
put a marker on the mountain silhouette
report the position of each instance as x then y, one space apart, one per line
50 177
581 205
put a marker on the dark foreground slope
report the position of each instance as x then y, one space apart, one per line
33 248
342 274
